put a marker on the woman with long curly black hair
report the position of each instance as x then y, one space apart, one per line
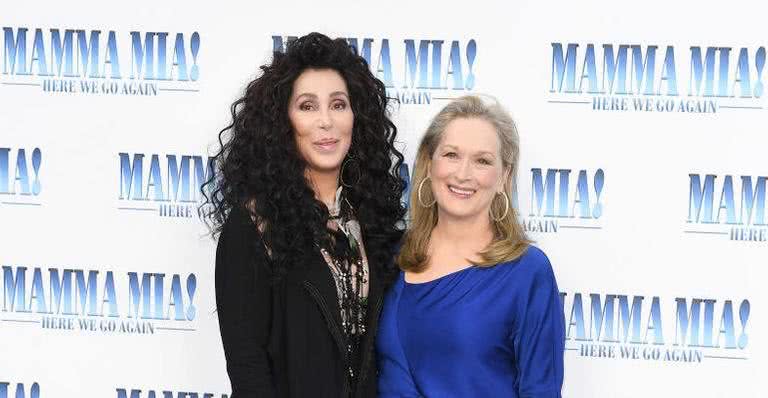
306 200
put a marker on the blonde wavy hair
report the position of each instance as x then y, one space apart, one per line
510 240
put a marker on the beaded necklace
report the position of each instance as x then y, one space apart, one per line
349 267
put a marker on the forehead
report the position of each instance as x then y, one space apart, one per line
471 135
320 82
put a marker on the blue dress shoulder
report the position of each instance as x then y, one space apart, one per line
478 332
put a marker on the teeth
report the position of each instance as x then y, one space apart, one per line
460 191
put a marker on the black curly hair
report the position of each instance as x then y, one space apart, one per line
259 168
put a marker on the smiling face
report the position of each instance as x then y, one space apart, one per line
466 169
321 116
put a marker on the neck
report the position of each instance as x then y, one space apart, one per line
324 184
474 233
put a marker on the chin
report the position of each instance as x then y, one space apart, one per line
325 165
457 211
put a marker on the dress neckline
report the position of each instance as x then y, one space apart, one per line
439 278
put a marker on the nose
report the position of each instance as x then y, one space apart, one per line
324 120
464 170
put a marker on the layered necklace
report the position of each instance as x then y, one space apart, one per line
349 267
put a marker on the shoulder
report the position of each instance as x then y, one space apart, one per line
536 259
239 228
533 266
239 236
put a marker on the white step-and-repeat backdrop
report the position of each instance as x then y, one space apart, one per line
643 176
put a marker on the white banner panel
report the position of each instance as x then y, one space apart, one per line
643 177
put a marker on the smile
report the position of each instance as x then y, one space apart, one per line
461 192
326 145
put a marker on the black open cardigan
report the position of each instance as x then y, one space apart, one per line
284 339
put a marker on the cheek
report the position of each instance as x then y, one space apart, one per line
346 124
489 179
300 125
303 144
440 169
301 133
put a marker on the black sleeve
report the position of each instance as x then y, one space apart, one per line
243 303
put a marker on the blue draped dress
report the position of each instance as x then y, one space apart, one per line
478 332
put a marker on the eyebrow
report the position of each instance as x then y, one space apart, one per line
337 93
449 146
314 96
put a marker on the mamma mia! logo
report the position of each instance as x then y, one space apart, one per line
8 390
644 328
20 182
563 199
415 71
728 205
100 62
653 78
139 393
70 299
168 185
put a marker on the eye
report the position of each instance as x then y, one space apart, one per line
485 161
306 106
339 105
451 155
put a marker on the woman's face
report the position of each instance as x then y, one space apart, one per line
321 116
466 169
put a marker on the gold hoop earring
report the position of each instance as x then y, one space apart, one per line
350 159
418 192
506 207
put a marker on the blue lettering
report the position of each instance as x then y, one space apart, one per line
412 64
563 68
140 295
644 68
753 200
668 73
61 53
654 323
630 318
726 327
602 315
384 67
14 289
741 78
143 56
61 289
38 293
589 71
702 70
726 201
89 53
86 292
615 68
38 55
15 49
179 59
701 199
34 390
131 177
22 176
454 68
685 318
577 319
112 60
155 182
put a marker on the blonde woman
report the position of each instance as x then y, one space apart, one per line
475 311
